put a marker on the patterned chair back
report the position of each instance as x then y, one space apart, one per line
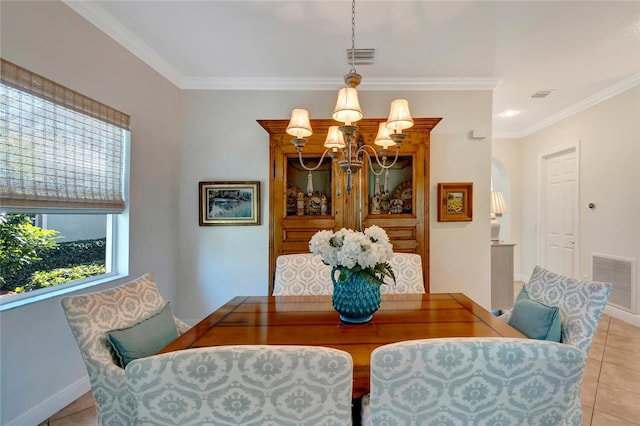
306 274
581 304
476 381
243 385
90 316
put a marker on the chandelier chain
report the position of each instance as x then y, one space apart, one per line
353 36
342 143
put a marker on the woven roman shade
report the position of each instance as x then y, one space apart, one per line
59 150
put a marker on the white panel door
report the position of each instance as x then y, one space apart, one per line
560 203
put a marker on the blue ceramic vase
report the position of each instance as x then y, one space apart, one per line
355 299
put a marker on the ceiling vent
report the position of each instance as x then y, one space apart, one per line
361 56
541 94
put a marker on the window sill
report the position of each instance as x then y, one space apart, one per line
12 302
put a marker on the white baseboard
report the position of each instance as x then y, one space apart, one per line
622 315
53 404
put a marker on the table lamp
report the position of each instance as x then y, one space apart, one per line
498 207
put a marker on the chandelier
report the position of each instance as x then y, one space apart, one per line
340 143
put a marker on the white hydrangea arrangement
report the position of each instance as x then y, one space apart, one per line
352 252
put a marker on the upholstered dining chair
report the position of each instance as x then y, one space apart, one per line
475 381
243 385
91 317
580 304
301 274
306 274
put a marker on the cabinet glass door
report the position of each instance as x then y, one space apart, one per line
308 193
391 191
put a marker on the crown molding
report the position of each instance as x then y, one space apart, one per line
260 83
96 15
373 84
432 84
601 96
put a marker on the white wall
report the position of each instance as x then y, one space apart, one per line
608 135
40 366
459 252
224 142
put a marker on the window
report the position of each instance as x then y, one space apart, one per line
63 183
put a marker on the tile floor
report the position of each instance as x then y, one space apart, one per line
610 390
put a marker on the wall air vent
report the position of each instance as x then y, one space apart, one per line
541 94
362 56
621 273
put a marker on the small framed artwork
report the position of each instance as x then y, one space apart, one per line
455 202
229 203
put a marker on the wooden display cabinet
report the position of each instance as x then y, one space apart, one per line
404 213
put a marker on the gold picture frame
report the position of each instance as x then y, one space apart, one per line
229 203
455 202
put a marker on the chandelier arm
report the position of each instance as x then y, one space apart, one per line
381 164
371 164
311 169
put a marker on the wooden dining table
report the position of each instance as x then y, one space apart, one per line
311 320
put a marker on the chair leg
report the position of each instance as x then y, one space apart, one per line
356 411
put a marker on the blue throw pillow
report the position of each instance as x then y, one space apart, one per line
144 338
535 319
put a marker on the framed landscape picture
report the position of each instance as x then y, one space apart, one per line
229 203
455 202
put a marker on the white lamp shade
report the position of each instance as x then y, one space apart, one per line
399 116
498 206
335 138
347 108
299 125
382 138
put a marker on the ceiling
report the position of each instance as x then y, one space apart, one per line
581 51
